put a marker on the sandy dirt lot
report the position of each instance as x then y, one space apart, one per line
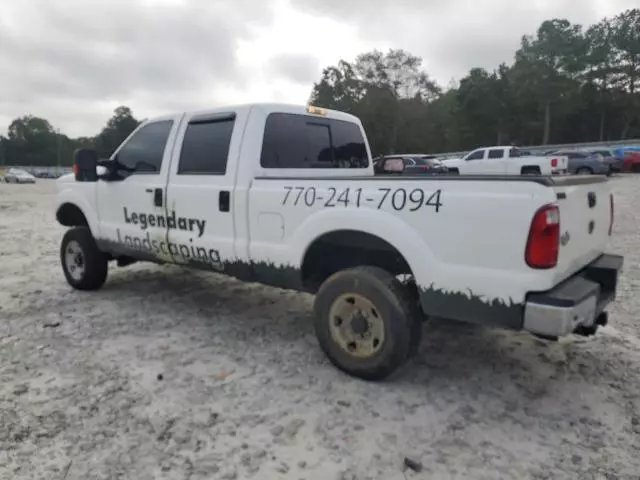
173 374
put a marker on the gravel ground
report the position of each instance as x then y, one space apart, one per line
172 374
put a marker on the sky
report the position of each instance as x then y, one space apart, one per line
74 61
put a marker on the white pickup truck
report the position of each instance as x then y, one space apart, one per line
506 161
286 196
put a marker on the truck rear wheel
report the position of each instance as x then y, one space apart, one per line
85 267
367 322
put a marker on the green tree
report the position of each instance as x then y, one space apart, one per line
484 106
384 90
339 88
118 128
626 53
600 69
554 57
31 141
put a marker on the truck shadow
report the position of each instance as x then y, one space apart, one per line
262 317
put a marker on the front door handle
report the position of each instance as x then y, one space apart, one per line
157 196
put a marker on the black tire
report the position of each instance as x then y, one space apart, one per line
395 309
453 171
530 171
94 262
584 171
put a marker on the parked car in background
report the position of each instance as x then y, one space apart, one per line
631 161
611 158
17 175
583 162
414 163
506 161
45 174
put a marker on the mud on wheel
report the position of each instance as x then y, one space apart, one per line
85 267
367 322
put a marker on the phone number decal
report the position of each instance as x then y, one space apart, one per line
398 198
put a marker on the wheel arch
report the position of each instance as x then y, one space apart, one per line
70 215
389 242
73 210
341 249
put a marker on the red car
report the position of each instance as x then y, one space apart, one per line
631 162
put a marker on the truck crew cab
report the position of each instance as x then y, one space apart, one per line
286 196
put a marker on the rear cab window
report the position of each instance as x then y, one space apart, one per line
304 142
496 153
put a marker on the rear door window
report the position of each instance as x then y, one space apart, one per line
496 153
205 147
303 141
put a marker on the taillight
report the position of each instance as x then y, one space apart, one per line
75 169
554 162
543 243
611 213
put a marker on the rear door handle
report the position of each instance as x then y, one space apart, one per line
224 200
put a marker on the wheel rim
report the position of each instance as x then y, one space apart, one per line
74 260
356 325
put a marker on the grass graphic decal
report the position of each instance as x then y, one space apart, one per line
459 305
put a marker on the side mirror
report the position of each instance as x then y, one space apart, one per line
85 161
393 165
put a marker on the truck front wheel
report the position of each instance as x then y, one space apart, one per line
85 267
367 322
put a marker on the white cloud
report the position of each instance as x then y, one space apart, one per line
73 61
453 36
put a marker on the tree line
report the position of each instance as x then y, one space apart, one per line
566 83
33 141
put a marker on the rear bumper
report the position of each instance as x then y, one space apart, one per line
577 303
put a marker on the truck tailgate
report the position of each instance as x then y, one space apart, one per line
585 217
562 163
